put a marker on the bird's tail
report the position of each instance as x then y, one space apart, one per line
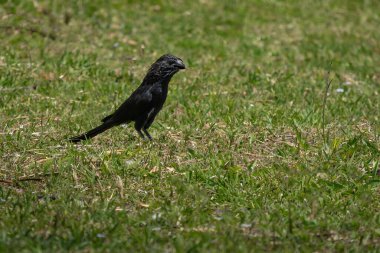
92 133
107 118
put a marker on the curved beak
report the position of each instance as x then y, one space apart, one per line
180 64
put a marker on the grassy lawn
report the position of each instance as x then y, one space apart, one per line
243 159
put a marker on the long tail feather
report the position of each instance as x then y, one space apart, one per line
92 133
107 118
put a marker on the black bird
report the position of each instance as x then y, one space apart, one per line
145 102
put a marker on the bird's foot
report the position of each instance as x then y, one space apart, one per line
148 135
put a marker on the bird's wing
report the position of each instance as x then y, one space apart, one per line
141 97
137 104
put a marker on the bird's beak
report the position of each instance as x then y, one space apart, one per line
180 64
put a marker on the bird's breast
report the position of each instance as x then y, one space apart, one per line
159 93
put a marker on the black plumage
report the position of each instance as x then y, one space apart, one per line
145 102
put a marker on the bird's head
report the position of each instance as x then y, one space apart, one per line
166 66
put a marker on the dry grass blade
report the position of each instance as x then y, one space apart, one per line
34 177
6 181
328 84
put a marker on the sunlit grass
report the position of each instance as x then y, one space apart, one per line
239 162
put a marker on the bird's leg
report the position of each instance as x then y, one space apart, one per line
140 133
147 134
138 127
152 114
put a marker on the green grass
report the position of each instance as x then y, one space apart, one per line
239 162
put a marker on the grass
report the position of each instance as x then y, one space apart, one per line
240 162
